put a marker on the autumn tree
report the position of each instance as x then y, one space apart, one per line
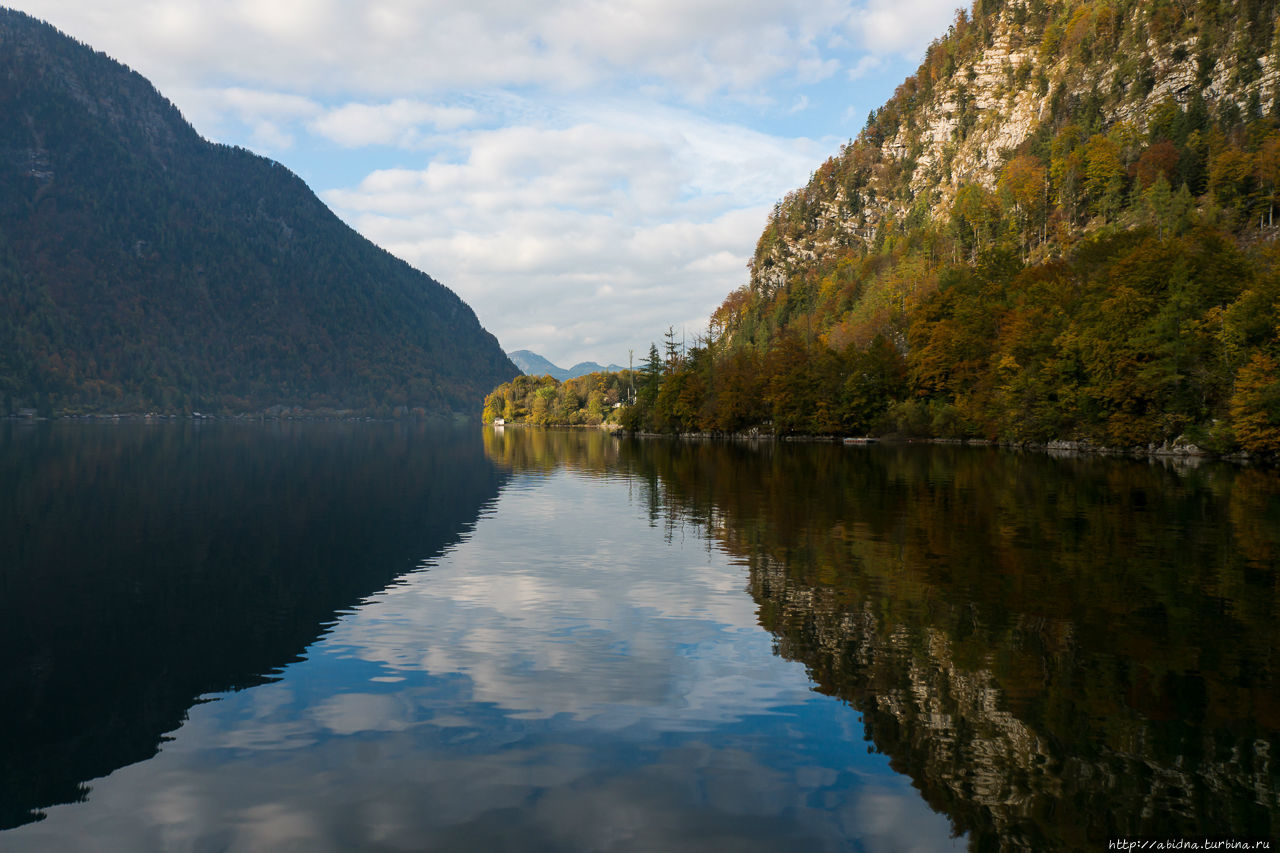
1266 170
1023 186
1158 160
974 214
1229 175
1104 175
1255 405
1067 169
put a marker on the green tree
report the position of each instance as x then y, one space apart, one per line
876 376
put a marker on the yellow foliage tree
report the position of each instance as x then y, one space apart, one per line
1255 405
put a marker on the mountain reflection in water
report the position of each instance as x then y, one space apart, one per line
331 637
563 674
1057 651
145 565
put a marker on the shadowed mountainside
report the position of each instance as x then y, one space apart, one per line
144 268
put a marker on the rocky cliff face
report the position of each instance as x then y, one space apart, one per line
1011 71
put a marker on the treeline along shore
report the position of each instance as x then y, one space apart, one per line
1135 338
1104 274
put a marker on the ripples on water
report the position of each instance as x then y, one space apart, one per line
374 637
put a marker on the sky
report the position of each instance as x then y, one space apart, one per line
584 173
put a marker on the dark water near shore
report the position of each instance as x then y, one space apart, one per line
375 637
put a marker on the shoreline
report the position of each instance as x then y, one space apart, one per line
1172 451
1058 447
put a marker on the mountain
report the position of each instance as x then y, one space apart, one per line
582 368
145 268
1061 227
532 364
1010 102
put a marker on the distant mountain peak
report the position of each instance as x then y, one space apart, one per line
532 364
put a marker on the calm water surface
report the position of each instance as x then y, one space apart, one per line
334 637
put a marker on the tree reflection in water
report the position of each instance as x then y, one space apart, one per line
1057 651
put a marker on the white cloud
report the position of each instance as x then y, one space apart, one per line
611 228
398 123
406 47
243 104
253 103
865 66
581 167
902 26
268 136
265 116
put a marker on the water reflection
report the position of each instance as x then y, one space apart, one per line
553 641
565 676
1056 651
143 566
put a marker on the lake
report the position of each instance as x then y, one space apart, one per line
229 636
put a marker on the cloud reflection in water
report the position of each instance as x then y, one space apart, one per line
565 679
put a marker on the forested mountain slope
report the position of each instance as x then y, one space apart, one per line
1053 112
1063 226
144 268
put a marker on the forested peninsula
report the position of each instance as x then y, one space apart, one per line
1062 227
